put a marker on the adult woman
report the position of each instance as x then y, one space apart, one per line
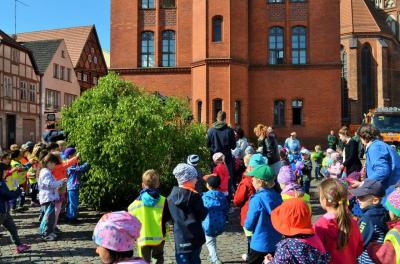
268 146
351 160
241 142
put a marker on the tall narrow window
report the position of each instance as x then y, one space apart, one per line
62 72
217 29
23 91
7 82
279 113
168 3
147 49
168 48
199 109
345 66
217 106
276 45
55 70
299 45
238 114
32 93
368 89
148 4
297 112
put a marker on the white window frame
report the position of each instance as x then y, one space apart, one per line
23 89
79 76
85 77
8 86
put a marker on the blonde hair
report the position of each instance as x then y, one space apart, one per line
317 148
336 197
261 130
246 159
151 179
344 131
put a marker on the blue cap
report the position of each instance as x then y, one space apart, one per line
369 187
257 160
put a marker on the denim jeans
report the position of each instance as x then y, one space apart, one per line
189 258
317 171
72 204
211 243
306 186
8 222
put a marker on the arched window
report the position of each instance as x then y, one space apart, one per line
199 109
147 49
238 113
168 48
276 45
297 112
279 113
368 94
217 106
148 4
168 3
299 45
217 28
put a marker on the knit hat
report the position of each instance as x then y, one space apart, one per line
217 156
69 151
263 172
286 175
214 182
193 160
117 231
296 215
184 173
257 160
393 202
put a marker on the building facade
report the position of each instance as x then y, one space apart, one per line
370 52
84 48
264 61
19 94
59 85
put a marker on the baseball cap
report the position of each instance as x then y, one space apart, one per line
369 187
263 172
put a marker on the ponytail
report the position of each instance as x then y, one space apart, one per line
344 225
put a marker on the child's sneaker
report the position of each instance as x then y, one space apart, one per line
22 248
50 237
57 230
245 257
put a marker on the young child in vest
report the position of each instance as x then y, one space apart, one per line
33 174
217 207
74 174
389 252
374 216
115 236
290 188
194 160
48 196
245 190
337 230
335 168
6 195
300 244
258 221
152 211
306 171
187 212
317 157
326 162
18 178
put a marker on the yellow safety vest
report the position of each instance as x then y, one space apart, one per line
18 175
151 218
394 237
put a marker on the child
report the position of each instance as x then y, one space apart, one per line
74 173
300 244
389 253
18 178
33 174
306 171
48 195
115 236
290 188
221 171
5 218
151 209
194 160
335 168
258 221
326 162
374 216
337 230
187 212
217 206
317 157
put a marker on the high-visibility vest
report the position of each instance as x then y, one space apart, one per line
394 237
151 233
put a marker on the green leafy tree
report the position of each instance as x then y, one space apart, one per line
122 131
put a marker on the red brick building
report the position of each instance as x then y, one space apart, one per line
264 61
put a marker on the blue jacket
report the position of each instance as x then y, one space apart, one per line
258 220
187 211
383 164
74 173
6 195
217 207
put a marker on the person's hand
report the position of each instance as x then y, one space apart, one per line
363 173
268 258
341 167
78 155
356 184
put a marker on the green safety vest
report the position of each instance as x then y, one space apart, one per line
151 233
394 237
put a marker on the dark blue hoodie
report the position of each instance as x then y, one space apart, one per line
221 138
187 211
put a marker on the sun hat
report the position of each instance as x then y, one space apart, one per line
292 217
393 202
286 175
263 172
117 231
69 151
184 172
257 160
217 156
193 160
369 187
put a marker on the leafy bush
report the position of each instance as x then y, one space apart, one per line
123 131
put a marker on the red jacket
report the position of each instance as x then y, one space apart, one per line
242 196
222 171
327 230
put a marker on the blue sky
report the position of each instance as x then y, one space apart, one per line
51 14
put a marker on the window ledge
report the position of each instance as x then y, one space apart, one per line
144 9
168 8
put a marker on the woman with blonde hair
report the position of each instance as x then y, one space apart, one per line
268 146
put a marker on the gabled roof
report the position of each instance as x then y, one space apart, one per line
43 52
75 38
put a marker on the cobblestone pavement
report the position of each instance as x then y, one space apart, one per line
75 244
